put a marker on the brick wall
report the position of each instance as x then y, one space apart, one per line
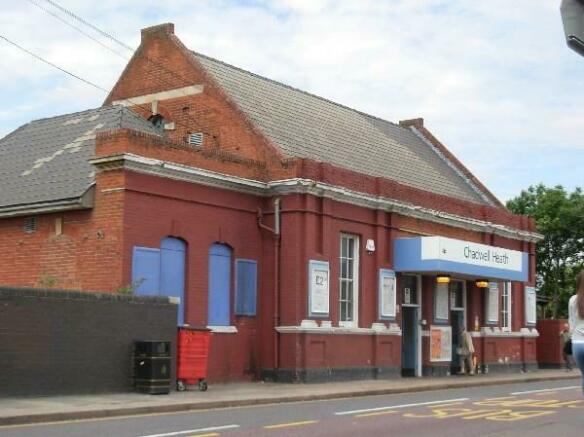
87 254
66 342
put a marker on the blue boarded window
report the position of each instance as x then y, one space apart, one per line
246 280
219 285
161 271
146 271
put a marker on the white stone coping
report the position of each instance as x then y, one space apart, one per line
223 329
326 328
487 331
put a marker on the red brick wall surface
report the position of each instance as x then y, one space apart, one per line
87 255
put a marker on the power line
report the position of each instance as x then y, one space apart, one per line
114 39
81 31
88 82
40 58
34 55
81 20
117 41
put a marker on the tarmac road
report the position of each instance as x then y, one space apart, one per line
554 408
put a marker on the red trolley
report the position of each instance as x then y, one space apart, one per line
193 356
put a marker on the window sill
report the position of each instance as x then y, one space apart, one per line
223 329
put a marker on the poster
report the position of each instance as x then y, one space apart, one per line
441 343
441 302
387 294
318 288
530 306
493 302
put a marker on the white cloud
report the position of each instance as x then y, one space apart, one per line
494 80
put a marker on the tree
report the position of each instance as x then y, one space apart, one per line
559 216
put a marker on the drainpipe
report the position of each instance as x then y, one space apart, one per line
276 233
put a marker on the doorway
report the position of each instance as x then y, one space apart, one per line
457 320
410 298
409 340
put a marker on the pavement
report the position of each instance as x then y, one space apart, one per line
15 411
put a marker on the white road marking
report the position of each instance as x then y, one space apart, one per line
391 407
191 431
544 390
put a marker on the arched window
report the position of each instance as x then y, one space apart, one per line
219 285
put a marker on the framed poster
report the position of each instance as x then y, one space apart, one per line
440 343
318 288
530 306
492 303
441 302
387 294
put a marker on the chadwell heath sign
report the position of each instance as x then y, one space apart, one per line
458 251
447 255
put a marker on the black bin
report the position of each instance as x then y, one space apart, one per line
152 367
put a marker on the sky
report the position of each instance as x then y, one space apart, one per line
493 80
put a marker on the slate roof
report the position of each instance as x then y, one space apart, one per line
303 125
47 160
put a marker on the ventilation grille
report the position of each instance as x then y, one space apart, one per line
195 139
30 225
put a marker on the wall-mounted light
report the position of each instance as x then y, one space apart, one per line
481 283
443 279
370 246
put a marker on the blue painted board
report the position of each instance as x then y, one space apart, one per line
219 285
246 287
146 271
172 272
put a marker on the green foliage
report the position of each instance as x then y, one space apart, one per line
131 287
47 281
559 216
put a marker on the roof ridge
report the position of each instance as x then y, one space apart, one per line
300 90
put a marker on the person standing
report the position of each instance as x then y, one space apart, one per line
566 346
576 319
465 352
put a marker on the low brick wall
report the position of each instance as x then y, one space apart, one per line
69 342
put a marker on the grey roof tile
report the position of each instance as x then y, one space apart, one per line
303 125
47 160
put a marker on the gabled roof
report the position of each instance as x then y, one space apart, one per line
303 125
46 160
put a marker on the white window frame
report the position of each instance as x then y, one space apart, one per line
354 322
506 307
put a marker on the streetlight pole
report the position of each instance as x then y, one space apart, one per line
572 12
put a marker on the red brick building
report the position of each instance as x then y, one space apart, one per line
316 241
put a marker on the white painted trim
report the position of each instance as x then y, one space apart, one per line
392 330
487 331
507 286
307 186
354 323
163 95
223 329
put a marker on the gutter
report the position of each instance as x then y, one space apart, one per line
85 201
